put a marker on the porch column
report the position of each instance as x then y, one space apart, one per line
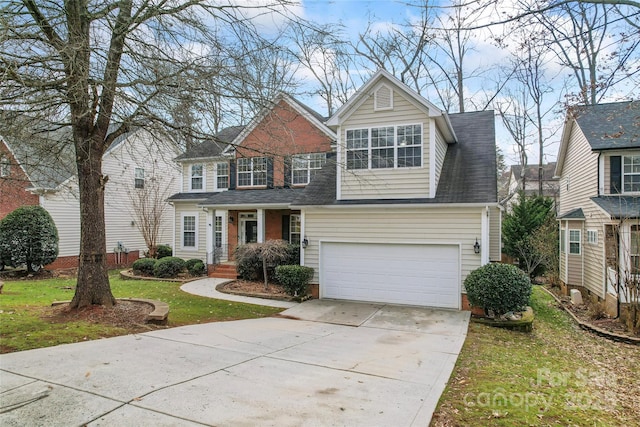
484 239
210 221
224 216
261 225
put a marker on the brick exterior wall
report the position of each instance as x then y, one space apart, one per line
283 132
13 193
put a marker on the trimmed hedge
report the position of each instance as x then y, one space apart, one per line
163 251
168 267
498 288
144 266
195 267
294 278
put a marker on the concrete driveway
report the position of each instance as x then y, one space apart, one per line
344 364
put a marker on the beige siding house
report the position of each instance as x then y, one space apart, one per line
599 174
409 208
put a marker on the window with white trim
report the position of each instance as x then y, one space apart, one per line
634 249
218 232
592 237
252 171
305 166
222 175
631 174
295 227
196 177
138 178
574 242
384 147
189 231
5 166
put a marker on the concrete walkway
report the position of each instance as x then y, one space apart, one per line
207 288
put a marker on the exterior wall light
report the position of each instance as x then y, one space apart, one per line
476 247
305 243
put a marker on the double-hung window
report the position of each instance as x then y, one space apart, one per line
631 174
197 177
305 166
138 179
574 242
385 147
189 239
218 231
222 175
252 171
634 249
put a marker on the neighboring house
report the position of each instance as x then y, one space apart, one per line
599 171
410 206
132 162
14 182
238 188
550 183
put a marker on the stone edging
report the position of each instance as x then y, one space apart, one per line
588 327
220 288
158 315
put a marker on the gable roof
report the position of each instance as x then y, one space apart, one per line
575 214
308 113
619 207
612 126
362 94
468 173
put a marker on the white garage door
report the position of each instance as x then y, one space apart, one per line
425 275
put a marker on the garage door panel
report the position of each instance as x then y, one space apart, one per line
403 274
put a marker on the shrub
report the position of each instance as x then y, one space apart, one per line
168 267
499 288
294 278
144 266
195 267
28 236
164 251
249 258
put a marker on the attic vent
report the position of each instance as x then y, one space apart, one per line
383 98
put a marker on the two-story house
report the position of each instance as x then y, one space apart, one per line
134 163
599 171
409 208
238 188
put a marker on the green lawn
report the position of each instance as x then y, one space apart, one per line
556 375
24 302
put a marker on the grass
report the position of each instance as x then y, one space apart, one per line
24 303
556 375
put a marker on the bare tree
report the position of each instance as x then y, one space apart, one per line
101 69
514 111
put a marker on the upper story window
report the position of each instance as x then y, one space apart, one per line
631 174
305 166
384 147
252 171
5 166
139 178
196 178
222 175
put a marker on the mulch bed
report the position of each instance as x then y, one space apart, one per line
257 289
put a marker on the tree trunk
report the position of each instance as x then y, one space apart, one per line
93 277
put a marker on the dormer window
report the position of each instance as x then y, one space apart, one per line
196 179
383 98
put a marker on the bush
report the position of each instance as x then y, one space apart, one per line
164 251
499 288
28 236
294 278
144 266
278 252
195 267
168 267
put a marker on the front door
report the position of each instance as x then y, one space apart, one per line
248 230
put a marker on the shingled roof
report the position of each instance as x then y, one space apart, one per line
272 196
619 207
468 174
610 126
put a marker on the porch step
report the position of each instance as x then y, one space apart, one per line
223 271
